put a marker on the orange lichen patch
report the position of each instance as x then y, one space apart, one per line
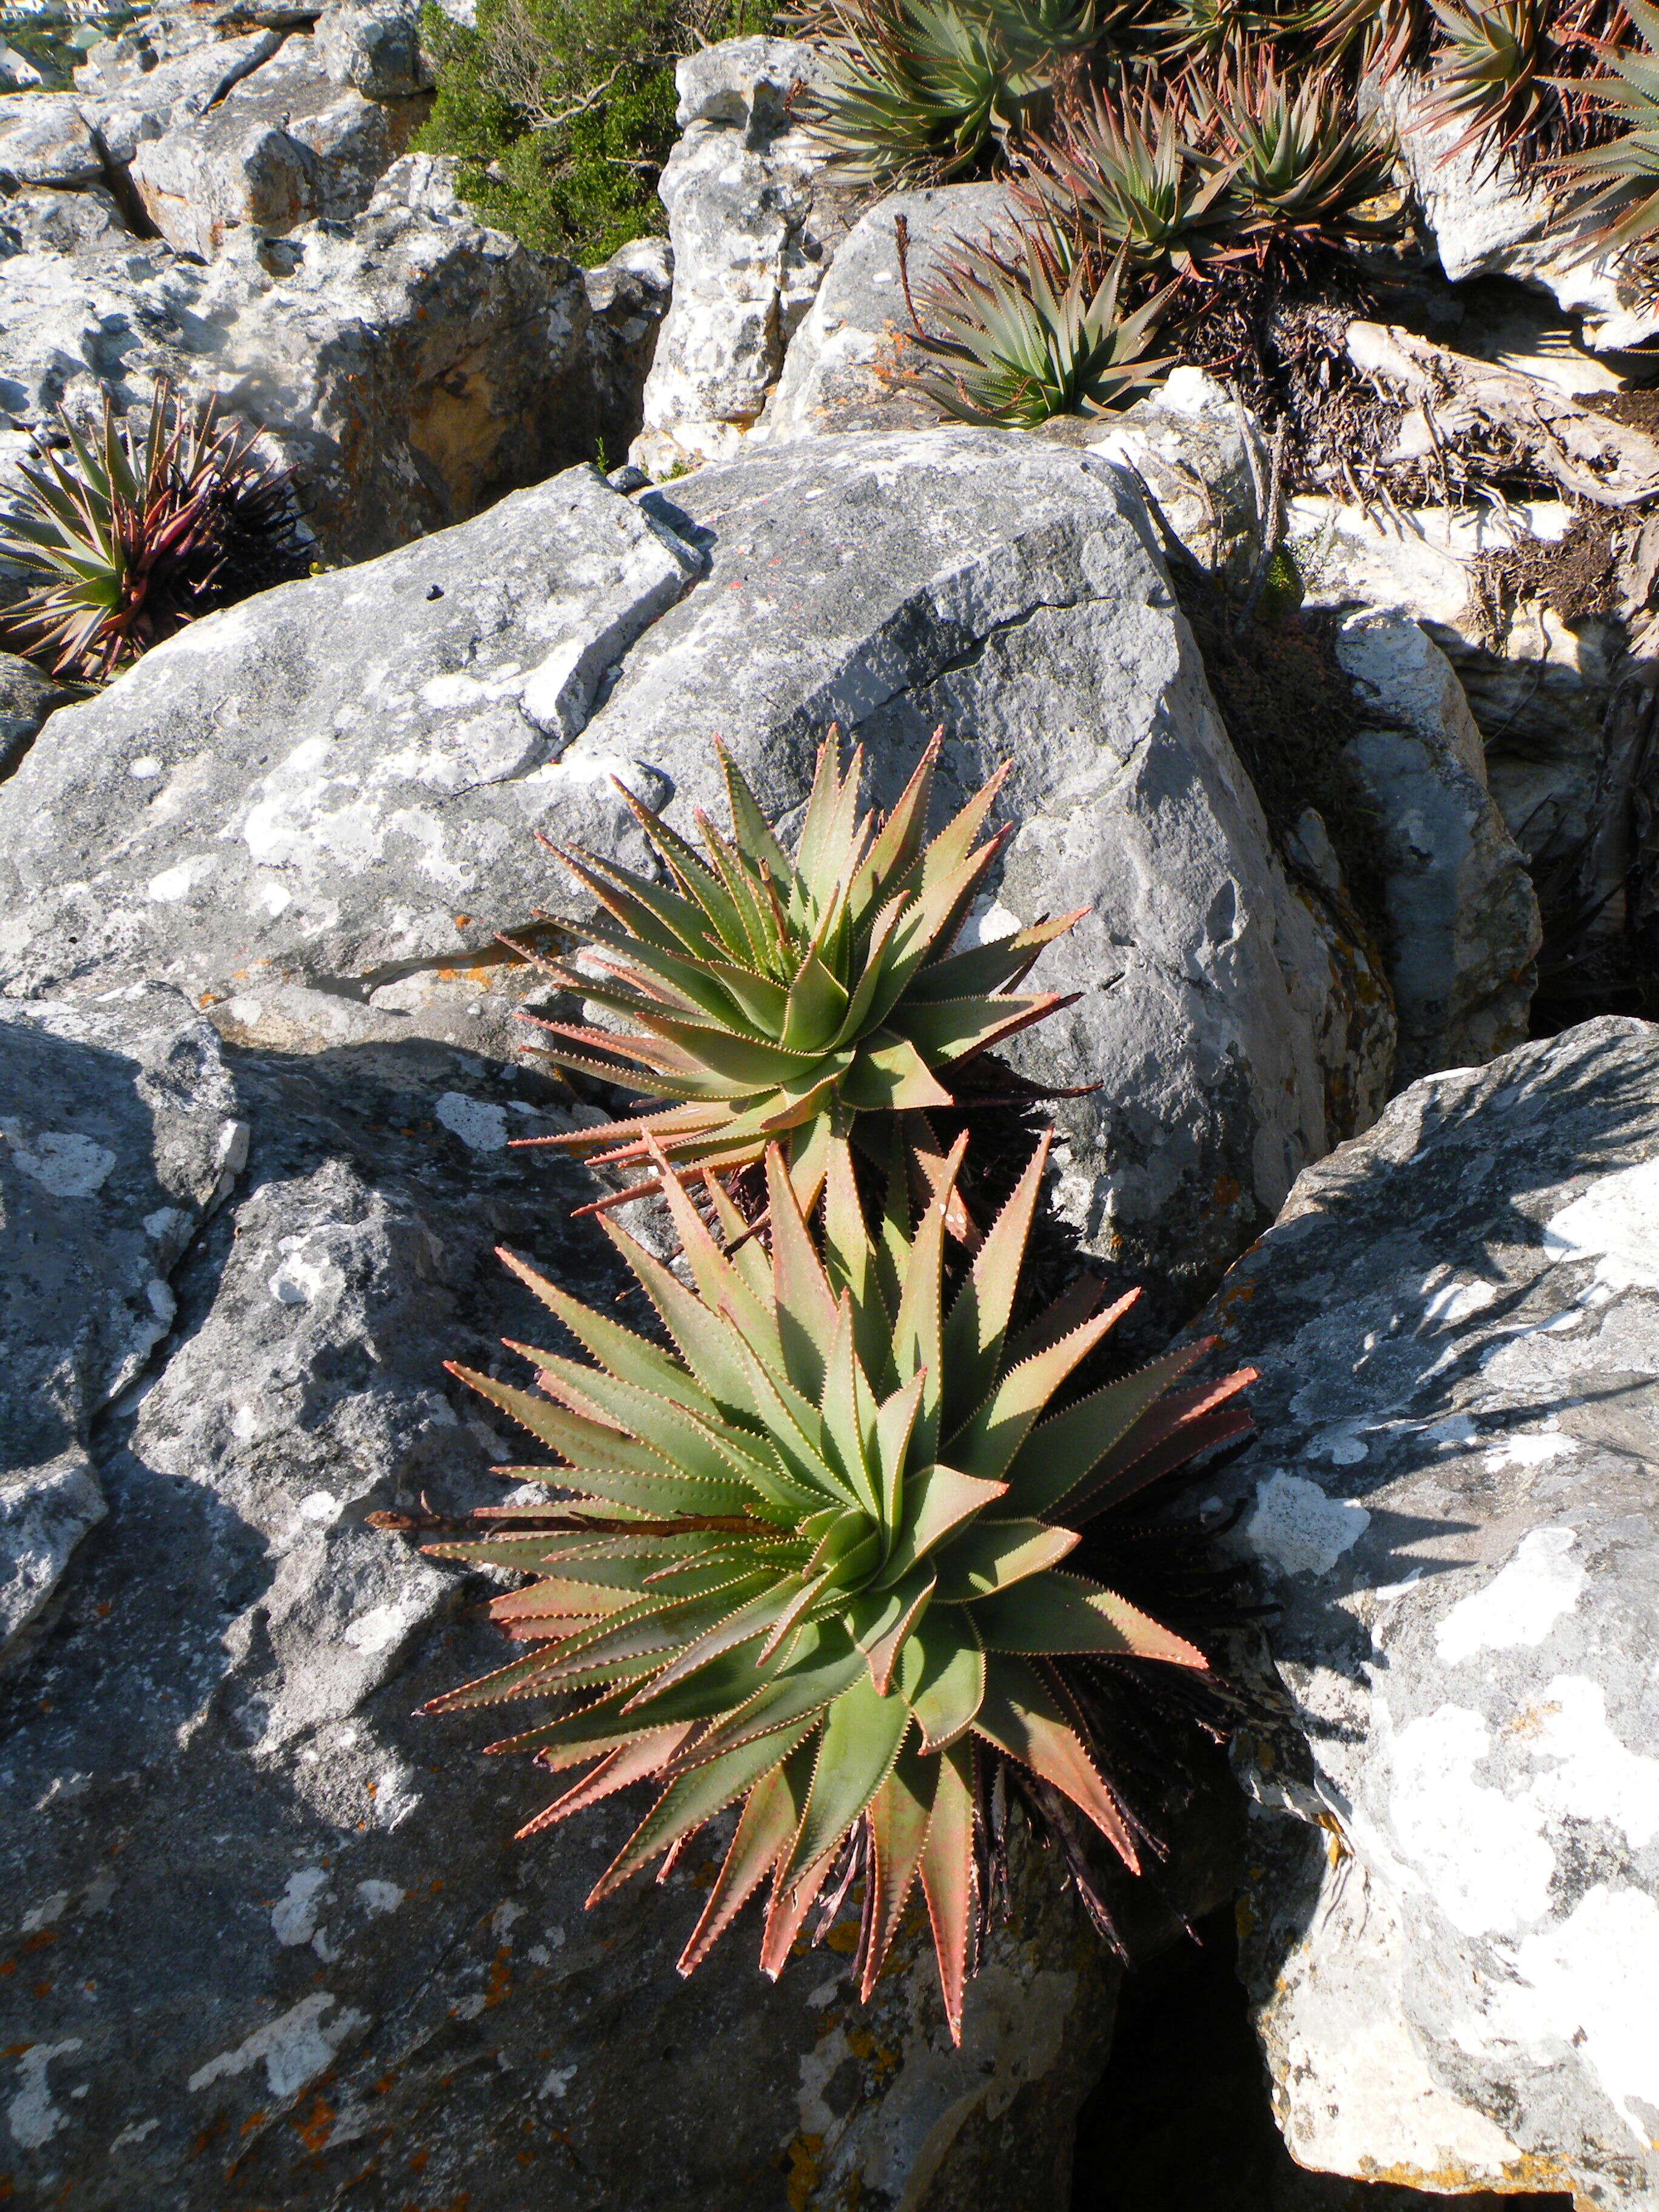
463 921
44 1989
417 2159
806 2154
1521 2176
500 1978
1228 1190
317 2125
255 2119
40 1941
845 1938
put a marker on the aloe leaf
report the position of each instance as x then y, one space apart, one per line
692 1801
948 1878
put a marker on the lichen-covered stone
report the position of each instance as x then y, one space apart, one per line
1450 1507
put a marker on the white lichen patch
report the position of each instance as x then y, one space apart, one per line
31 2116
63 1163
1595 1775
293 1916
479 1122
293 2049
1520 1605
1480 1854
1616 1223
1295 1528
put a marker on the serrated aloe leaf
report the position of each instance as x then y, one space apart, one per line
749 824
1053 1458
1020 1716
1061 1612
692 1801
1166 1436
857 1747
629 1763
942 1676
764 1831
937 1500
948 1878
989 1556
978 1326
890 1076
898 1817
988 1439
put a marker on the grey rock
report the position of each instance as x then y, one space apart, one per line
27 695
286 142
44 1511
62 222
839 372
628 297
377 49
752 231
1449 1504
1007 589
1500 217
44 141
118 1135
406 371
320 1960
317 783
337 786
130 89
1463 928
1187 443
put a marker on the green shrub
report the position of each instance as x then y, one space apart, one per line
563 111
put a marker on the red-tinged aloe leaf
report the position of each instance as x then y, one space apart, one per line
990 968
941 1676
802 1694
747 1623
764 1830
629 1763
694 1800
948 1877
555 1598
1060 1453
899 841
992 1555
792 1898
523 1677
857 1747
1020 1716
1074 1304
989 1439
1176 1429
1056 1614
898 1818
918 1328
977 1328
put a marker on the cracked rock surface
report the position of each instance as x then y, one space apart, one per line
1451 1507
337 786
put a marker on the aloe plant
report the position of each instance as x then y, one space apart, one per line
1128 172
1302 164
810 1560
1621 178
138 533
782 996
1024 334
1490 72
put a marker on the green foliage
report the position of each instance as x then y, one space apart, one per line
1489 71
563 111
1022 336
782 996
809 1559
1130 173
1303 166
138 532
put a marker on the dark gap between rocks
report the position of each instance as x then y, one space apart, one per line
1183 2119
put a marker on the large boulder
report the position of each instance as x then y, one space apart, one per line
44 141
285 143
337 786
274 1926
752 228
1448 1509
161 75
841 369
406 370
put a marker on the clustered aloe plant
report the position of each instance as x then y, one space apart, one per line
1191 139
810 1548
779 998
138 532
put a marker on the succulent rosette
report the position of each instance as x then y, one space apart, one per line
810 1554
777 997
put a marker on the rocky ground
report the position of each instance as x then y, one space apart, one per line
264 1939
